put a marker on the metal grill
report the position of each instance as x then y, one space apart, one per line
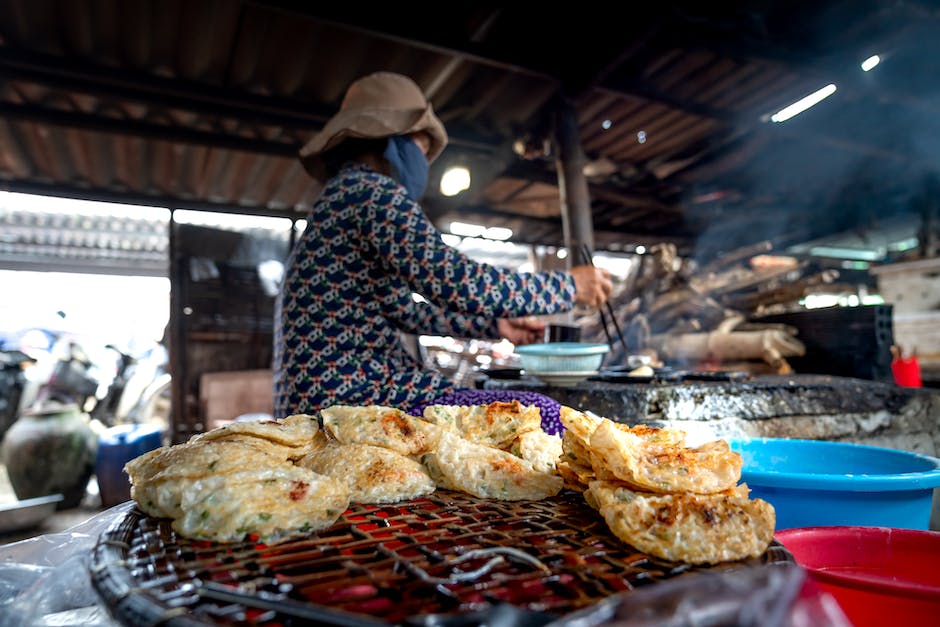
443 557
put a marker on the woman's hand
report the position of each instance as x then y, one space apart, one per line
521 331
592 285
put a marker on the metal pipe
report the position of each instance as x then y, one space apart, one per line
577 226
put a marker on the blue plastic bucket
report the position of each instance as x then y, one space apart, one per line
117 446
819 483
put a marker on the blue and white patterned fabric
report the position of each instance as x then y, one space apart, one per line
348 291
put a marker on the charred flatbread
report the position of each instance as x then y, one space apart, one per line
542 450
690 528
496 424
653 466
158 478
294 431
373 474
272 503
377 425
459 464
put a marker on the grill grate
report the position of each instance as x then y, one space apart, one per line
445 554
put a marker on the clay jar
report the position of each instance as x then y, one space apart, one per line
50 450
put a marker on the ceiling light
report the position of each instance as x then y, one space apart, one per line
641 137
497 232
871 62
562 253
803 104
641 249
455 180
466 230
606 124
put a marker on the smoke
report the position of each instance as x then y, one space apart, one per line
864 156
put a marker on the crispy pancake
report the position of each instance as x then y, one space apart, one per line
459 464
574 449
611 492
576 477
274 503
666 468
541 449
496 424
373 474
158 478
380 426
296 430
690 528
200 457
579 424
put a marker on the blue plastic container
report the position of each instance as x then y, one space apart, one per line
819 483
117 446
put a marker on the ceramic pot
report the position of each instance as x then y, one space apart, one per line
50 450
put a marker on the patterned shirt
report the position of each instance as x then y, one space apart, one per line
348 291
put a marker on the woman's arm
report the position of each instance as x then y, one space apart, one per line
412 249
422 317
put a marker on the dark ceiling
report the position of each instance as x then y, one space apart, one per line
204 103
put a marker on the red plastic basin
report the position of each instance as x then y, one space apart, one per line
879 575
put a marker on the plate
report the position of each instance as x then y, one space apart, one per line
27 513
564 377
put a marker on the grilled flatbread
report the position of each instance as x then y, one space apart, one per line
459 464
690 528
541 449
293 431
496 424
274 503
666 468
576 476
197 458
578 423
579 427
574 449
373 474
158 477
380 426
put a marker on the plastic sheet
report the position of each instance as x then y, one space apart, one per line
44 581
771 596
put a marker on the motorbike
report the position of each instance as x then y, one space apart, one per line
12 385
73 380
131 389
139 391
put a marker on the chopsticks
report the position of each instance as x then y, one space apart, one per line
589 259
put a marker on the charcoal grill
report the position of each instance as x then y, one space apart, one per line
433 561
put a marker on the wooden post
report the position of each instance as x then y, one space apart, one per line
577 226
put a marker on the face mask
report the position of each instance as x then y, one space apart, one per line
409 165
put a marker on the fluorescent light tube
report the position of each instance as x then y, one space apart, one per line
803 104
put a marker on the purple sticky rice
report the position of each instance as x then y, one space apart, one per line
549 407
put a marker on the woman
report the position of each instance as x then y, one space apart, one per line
368 247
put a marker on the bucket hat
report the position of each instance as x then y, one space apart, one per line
382 104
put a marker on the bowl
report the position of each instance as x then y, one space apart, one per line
27 513
879 575
819 483
561 357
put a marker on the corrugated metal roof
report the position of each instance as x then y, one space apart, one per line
204 103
